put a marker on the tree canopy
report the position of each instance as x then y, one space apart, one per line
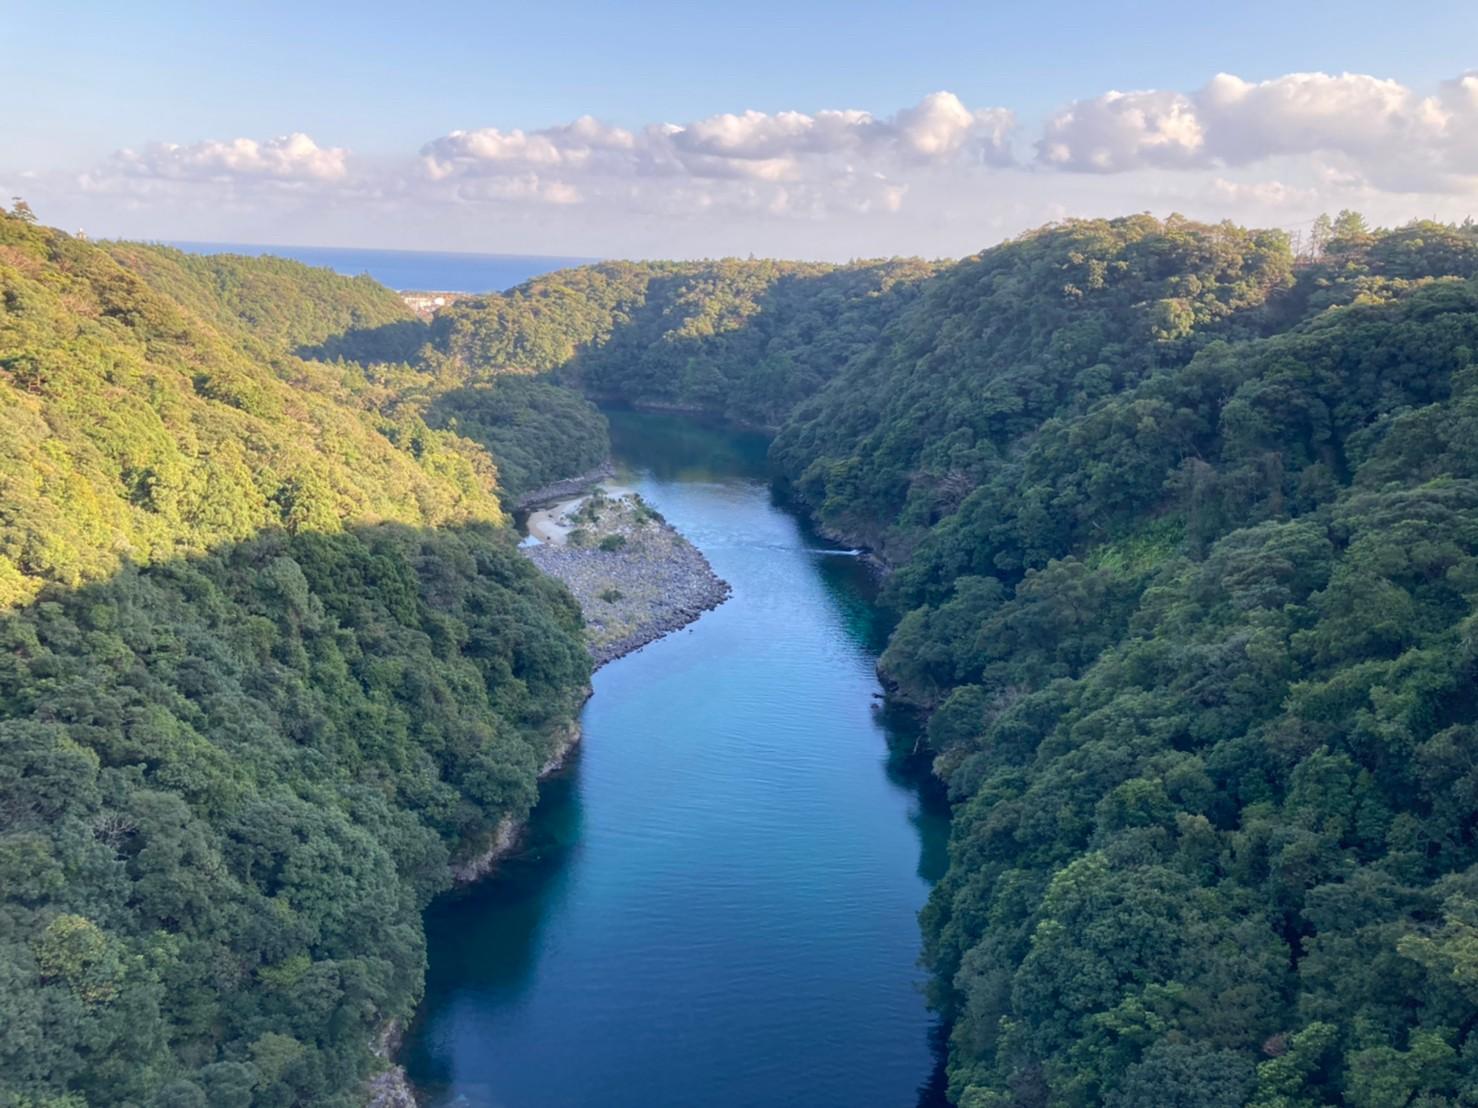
1184 540
1187 549
270 661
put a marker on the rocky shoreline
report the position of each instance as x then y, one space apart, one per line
509 832
634 576
390 1088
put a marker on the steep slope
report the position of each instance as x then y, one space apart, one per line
539 432
270 661
285 303
1041 326
536 432
744 340
136 430
1185 537
1196 628
1237 732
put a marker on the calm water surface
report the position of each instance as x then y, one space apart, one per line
421 270
719 904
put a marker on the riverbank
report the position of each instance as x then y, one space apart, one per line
636 579
578 485
634 576
728 881
391 1087
698 413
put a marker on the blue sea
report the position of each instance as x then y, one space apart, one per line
409 270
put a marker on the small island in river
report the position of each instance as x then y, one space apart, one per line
635 578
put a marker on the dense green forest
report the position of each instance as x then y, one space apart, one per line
269 662
284 303
741 340
1200 654
1184 537
538 432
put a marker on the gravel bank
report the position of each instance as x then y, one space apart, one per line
635 578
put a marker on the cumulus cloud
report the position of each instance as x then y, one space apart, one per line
294 157
784 162
1267 195
937 176
1125 130
1396 137
940 126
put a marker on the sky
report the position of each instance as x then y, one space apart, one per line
654 129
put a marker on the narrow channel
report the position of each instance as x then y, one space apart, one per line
718 903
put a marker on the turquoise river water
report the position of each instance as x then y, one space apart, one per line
718 902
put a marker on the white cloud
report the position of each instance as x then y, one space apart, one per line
940 126
937 177
787 163
294 157
1379 128
1124 130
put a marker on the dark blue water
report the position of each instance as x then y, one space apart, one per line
719 904
408 269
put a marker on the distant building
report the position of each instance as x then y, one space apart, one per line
425 304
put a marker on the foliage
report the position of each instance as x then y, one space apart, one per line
538 432
1195 628
1185 538
745 340
269 661
282 302
134 428
1043 326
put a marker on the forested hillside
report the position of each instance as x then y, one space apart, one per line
741 340
1189 561
1185 543
269 661
1049 324
288 313
284 303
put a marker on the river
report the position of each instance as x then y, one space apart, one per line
718 904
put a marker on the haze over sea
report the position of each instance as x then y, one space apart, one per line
406 270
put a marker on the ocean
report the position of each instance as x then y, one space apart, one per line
408 270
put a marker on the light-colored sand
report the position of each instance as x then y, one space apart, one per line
552 525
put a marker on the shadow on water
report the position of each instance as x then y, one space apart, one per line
681 448
527 890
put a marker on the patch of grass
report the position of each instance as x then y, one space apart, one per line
1143 549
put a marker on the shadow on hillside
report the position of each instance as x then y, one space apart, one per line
244 772
739 342
400 341
728 338
385 646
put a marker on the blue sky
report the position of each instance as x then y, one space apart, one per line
379 83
